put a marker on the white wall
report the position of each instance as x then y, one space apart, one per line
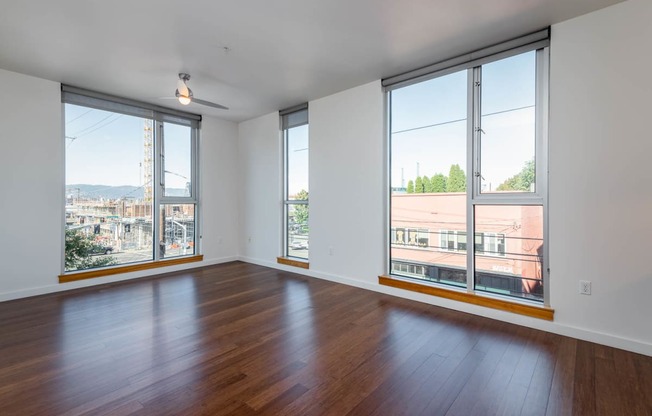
219 189
347 183
600 192
260 188
600 177
32 189
31 182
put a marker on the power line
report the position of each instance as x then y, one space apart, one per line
461 119
80 116
100 127
82 131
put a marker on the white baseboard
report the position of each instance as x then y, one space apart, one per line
628 344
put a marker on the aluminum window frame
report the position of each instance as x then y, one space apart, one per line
290 118
472 63
158 115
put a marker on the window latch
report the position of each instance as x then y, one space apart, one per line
478 129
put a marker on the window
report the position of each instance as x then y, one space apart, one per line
131 193
468 158
411 237
296 184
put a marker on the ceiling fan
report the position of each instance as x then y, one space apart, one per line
185 96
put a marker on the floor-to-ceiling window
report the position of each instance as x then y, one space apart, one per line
468 158
296 184
131 183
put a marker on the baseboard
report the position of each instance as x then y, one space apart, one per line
61 287
628 344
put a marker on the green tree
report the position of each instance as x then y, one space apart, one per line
79 251
438 183
418 185
301 212
522 181
410 187
456 179
427 186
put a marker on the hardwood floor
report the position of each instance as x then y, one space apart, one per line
243 339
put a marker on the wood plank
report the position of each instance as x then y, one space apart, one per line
109 271
243 339
292 262
533 311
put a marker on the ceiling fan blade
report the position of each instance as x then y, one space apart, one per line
208 103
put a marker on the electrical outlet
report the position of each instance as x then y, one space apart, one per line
585 287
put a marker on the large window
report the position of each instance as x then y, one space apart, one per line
130 183
296 185
468 158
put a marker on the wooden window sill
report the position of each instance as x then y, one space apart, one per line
293 262
91 274
534 311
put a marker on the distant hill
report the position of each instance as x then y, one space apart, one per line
113 192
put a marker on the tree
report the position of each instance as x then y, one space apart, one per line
456 179
418 185
410 187
522 181
438 183
427 184
301 212
79 253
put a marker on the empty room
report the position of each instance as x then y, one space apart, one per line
429 207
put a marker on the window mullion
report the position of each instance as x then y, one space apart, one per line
473 103
542 90
158 189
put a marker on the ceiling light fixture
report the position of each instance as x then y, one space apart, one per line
183 93
185 96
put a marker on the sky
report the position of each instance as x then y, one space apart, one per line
105 148
428 122
298 162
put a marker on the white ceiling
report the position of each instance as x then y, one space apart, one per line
281 53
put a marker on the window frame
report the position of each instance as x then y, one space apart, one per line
158 116
538 42
286 124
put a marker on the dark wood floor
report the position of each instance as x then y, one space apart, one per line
244 339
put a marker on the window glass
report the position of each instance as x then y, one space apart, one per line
511 260
507 139
297 191
428 197
178 160
108 188
297 163
178 230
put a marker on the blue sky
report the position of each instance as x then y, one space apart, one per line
107 149
298 160
508 97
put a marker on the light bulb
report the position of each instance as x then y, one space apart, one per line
182 88
184 100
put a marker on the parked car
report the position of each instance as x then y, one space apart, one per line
99 249
299 245
296 245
